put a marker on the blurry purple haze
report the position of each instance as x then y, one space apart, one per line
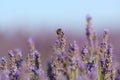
44 42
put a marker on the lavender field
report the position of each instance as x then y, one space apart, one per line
60 55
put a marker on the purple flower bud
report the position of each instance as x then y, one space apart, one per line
110 49
104 44
31 68
30 41
3 59
10 53
58 41
103 62
106 31
85 50
59 32
15 69
88 17
89 30
76 47
18 52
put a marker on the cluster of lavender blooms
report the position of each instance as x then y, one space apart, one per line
14 67
93 62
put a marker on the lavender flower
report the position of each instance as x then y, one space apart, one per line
103 47
85 51
17 52
105 35
110 50
89 31
76 47
10 54
18 57
31 44
60 32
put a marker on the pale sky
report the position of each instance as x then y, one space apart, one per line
65 13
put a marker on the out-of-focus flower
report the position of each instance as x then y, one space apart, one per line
103 46
76 47
90 65
31 44
106 31
10 53
89 31
102 62
85 51
105 35
18 52
18 57
60 32
88 17
110 49
3 59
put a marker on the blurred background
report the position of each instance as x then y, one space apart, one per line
39 19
